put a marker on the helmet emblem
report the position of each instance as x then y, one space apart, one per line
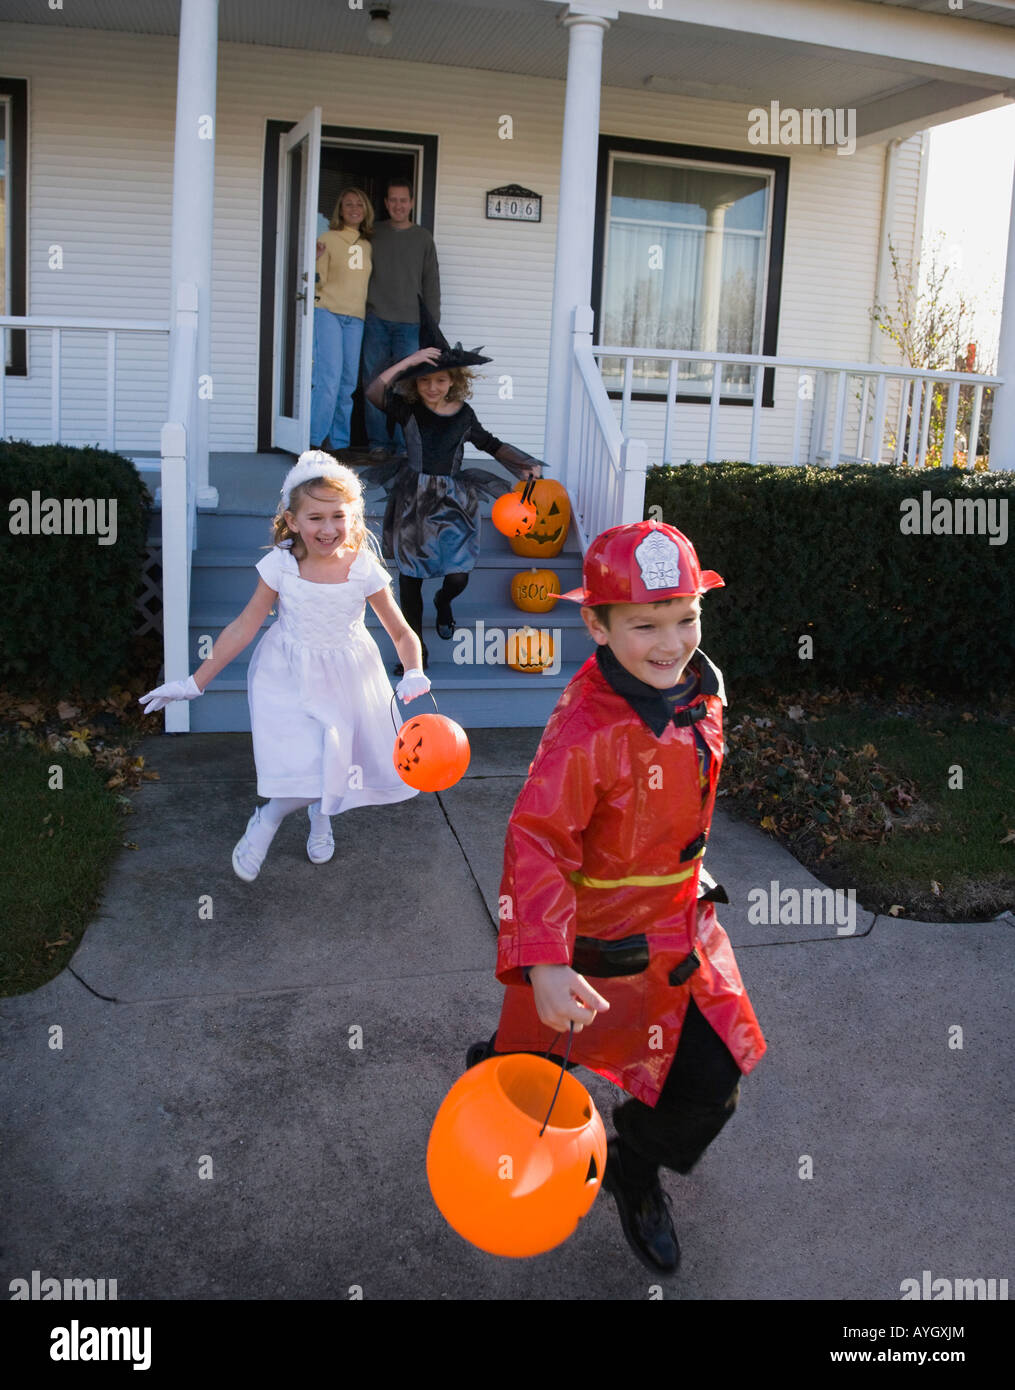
659 560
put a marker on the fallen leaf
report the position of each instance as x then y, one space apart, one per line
1008 838
796 712
129 844
968 717
895 909
768 823
869 751
935 887
67 711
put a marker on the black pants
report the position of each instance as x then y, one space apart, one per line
410 597
699 1095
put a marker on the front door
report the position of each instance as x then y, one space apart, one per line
295 258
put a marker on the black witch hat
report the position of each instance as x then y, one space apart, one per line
430 335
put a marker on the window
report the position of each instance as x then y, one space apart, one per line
13 202
689 255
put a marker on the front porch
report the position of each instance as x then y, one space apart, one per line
471 680
790 373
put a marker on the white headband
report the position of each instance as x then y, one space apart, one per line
315 463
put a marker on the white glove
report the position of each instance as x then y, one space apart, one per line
413 683
164 695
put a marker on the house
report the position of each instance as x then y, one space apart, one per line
667 224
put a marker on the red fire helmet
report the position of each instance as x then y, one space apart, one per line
642 562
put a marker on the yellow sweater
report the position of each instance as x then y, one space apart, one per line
343 272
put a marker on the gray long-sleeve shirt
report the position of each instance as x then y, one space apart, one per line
404 266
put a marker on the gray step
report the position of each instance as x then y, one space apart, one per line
485 698
227 576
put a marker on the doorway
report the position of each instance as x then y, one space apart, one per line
365 159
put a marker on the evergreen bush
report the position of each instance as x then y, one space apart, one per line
822 553
68 609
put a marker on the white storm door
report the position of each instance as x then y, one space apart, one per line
295 258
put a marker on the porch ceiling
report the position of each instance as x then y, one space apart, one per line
722 60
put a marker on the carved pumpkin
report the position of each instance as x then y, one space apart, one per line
431 752
535 591
497 1109
529 649
553 518
513 516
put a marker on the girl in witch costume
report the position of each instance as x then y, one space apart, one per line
431 523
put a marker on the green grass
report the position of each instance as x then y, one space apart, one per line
55 856
953 835
945 857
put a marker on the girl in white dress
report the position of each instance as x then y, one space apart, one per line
319 696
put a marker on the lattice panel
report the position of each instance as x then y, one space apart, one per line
149 597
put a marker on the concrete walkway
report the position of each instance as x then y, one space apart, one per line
209 1025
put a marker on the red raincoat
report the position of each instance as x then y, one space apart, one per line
605 842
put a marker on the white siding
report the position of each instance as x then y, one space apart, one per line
101 126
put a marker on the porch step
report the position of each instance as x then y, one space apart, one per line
477 689
484 697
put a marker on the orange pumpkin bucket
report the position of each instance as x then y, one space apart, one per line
431 752
513 514
504 1175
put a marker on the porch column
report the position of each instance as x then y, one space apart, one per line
1002 424
576 212
193 202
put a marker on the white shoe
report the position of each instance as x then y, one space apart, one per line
248 856
320 848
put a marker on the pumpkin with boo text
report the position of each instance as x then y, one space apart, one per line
535 591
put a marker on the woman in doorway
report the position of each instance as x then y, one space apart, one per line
340 300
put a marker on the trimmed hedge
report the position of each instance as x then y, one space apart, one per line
68 609
820 552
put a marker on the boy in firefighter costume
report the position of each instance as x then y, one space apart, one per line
608 921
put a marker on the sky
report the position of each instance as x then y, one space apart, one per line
969 184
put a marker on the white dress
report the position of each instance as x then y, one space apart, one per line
320 699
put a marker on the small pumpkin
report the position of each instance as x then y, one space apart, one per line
529 649
535 591
553 518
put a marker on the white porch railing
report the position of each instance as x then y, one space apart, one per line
179 501
824 412
604 472
27 398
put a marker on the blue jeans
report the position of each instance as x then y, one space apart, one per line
384 343
337 341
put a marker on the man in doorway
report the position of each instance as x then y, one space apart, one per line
404 267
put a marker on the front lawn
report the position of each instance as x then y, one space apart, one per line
909 800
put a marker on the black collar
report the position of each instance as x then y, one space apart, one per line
649 704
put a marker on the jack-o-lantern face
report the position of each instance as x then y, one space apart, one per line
553 518
530 650
431 752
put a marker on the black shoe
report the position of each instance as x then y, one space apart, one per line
445 619
644 1214
478 1052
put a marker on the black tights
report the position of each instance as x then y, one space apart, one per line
410 596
